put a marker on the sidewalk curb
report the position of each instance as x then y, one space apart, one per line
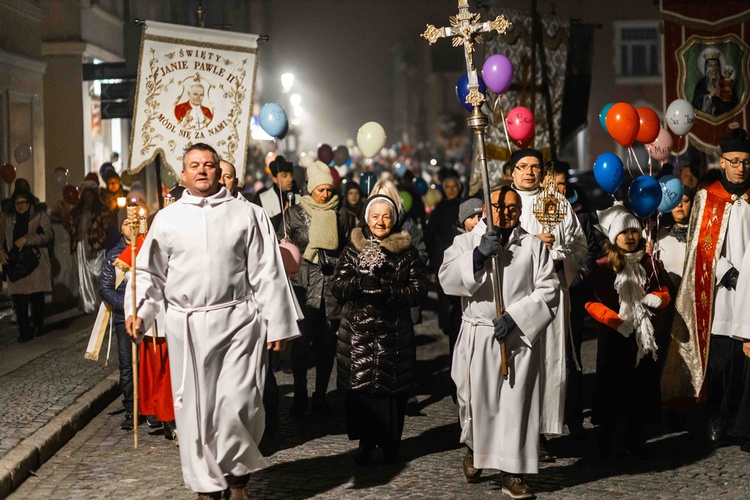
33 451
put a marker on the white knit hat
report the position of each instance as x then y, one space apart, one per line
318 173
616 219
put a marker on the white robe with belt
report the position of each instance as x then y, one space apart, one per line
500 418
569 248
216 265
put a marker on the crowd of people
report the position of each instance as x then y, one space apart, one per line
215 288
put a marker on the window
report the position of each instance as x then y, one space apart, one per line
638 46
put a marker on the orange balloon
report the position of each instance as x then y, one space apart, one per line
650 125
623 123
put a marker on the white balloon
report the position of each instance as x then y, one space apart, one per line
680 117
371 138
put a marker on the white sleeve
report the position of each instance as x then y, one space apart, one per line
152 267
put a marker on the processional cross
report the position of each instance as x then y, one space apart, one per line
466 30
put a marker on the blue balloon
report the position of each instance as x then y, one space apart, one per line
608 172
421 186
671 193
272 119
644 195
367 182
462 90
400 169
603 115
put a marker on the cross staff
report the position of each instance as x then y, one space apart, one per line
466 30
135 225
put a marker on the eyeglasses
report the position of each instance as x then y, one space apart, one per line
512 209
526 168
736 162
21 203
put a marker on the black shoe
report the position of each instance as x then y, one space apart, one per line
39 331
392 458
320 405
716 430
153 422
127 423
170 431
299 407
364 454
745 446
22 339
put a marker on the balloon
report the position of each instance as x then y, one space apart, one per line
367 182
671 193
407 199
421 186
336 177
340 155
290 257
661 148
325 153
168 179
371 138
8 173
649 127
60 177
22 152
608 172
400 169
520 125
306 159
603 115
462 90
623 123
272 119
498 73
680 117
644 195
70 195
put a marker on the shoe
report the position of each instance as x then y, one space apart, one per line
153 422
544 454
238 487
471 474
515 487
364 453
745 446
170 431
210 496
716 430
321 406
299 407
127 423
576 431
24 338
39 331
392 458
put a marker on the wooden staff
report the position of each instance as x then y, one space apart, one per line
135 224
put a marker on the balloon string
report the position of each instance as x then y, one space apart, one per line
637 162
505 126
628 163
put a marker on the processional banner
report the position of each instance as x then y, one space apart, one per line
194 85
706 63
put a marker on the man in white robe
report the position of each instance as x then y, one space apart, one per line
500 417
214 262
567 244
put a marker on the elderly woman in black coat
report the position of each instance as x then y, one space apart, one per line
380 277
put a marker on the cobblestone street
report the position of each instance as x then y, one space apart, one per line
311 456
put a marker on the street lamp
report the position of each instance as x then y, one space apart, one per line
295 100
287 80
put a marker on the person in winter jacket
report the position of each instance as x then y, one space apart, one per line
380 277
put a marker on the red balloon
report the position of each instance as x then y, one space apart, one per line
649 125
325 153
520 125
336 177
8 173
623 123
70 194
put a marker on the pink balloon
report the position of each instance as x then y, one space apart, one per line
291 258
661 148
520 125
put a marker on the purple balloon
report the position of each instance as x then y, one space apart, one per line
498 73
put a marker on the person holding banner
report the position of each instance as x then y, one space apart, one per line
500 417
214 262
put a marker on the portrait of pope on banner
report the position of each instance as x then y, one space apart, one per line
192 114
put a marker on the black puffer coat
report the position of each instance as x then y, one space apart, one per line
376 347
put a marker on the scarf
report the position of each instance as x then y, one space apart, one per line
630 285
323 232
732 188
679 231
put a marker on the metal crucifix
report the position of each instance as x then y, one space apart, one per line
466 30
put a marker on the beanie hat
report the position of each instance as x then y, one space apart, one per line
615 220
735 141
381 198
523 153
279 164
469 208
318 173
122 214
352 185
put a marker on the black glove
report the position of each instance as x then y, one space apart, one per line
369 282
729 280
503 326
490 243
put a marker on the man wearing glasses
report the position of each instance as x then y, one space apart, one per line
567 245
710 340
500 417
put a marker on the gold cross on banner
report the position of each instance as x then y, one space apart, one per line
466 29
